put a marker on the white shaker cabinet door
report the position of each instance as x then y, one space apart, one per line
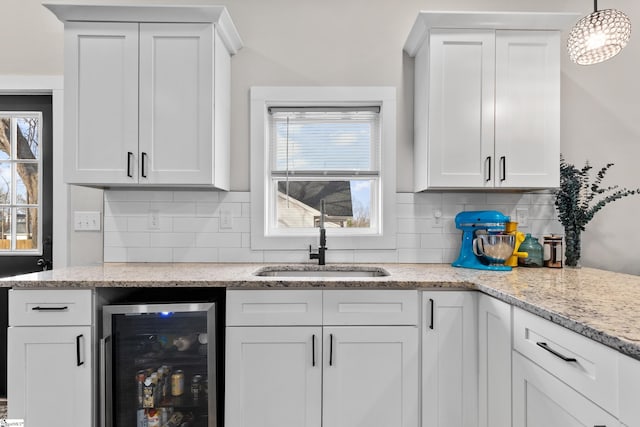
449 359
494 360
370 376
542 400
460 110
49 376
527 129
176 103
101 103
273 377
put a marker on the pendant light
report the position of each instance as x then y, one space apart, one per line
598 36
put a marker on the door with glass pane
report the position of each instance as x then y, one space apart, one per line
25 183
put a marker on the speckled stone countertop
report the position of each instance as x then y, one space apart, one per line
601 305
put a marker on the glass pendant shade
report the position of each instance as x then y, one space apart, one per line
598 36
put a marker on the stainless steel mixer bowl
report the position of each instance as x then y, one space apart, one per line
494 248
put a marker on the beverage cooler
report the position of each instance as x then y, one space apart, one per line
159 365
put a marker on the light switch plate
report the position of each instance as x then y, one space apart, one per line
86 221
226 219
522 217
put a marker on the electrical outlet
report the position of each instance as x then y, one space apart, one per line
153 220
86 221
226 219
437 217
522 217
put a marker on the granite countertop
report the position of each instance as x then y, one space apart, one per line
595 303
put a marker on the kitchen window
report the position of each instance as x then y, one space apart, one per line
20 189
331 144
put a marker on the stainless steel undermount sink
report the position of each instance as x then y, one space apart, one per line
321 271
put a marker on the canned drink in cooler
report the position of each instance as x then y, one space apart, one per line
177 383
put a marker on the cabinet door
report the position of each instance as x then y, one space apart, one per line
176 103
461 109
101 103
49 376
273 377
449 359
494 362
527 130
370 376
542 400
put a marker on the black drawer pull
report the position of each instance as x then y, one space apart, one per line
313 350
38 308
555 353
330 349
129 172
79 361
431 320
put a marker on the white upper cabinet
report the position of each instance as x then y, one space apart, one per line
147 95
487 99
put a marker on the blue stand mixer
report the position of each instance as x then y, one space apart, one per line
473 224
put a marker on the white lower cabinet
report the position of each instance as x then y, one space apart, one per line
542 400
311 376
49 377
494 362
49 358
274 377
449 359
370 376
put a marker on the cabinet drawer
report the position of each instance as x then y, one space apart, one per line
273 307
49 307
370 307
593 370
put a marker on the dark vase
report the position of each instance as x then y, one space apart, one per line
572 246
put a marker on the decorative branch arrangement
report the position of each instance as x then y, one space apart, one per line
578 199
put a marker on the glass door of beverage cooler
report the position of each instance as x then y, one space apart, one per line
158 367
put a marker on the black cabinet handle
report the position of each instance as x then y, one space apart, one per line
79 361
431 321
38 308
487 161
503 168
555 353
129 171
313 350
330 349
144 165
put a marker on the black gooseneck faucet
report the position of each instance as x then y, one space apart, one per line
320 255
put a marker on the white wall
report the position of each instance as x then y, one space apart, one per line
359 42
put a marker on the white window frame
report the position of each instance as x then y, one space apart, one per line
264 97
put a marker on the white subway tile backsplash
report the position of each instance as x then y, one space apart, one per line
412 256
141 224
196 196
172 240
219 240
174 208
372 256
122 208
126 240
240 255
195 254
235 197
189 226
115 254
149 255
239 225
115 223
408 240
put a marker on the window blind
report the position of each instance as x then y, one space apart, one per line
324 140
